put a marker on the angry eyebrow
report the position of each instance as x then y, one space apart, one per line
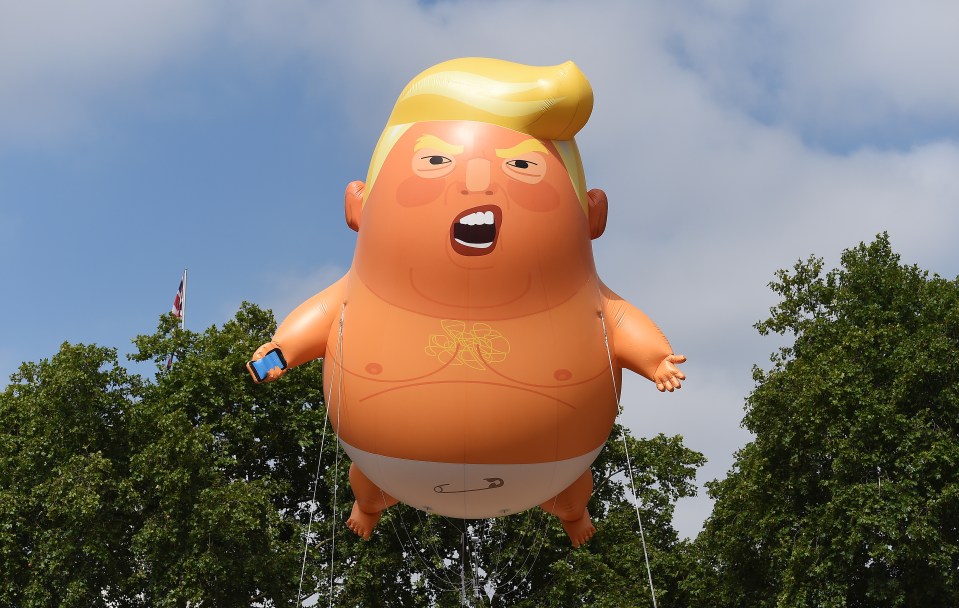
435 143
529 145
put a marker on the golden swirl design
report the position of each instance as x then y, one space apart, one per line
470 346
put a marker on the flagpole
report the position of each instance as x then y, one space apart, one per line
179 309
183 303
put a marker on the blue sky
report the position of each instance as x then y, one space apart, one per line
733 138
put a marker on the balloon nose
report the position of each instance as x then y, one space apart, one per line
477 174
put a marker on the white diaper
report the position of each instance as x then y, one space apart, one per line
469 491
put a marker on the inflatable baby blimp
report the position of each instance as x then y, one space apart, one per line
472 354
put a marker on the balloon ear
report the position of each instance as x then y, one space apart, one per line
598 207
354 204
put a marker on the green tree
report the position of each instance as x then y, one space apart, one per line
195 487
221 471
610 570
66 504
849 493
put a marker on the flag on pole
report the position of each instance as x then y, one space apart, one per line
179 310
180 298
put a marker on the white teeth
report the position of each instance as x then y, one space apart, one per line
475 245
477 219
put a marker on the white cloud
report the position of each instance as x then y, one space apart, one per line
58 59
829 66
698 135
818 65
899 55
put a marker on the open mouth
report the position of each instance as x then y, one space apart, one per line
474 231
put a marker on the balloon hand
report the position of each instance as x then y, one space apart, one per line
668 376
267 364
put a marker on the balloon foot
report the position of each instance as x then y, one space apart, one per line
362 523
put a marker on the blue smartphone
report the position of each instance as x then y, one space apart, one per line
261 367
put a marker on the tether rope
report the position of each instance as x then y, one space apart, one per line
313 509
316 483
629 464
430 570
336 461
444 584
541 537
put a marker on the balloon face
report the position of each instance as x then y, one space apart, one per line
473 219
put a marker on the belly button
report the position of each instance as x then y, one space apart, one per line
374 368
562 374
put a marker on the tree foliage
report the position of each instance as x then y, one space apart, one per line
220 471
65 507
195 487
849 494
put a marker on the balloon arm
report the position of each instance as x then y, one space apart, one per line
302 336
638 344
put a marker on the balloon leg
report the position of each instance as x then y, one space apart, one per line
570 507
369 505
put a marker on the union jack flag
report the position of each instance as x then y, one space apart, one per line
178 300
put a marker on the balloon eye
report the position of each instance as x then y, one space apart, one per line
430 164
529 168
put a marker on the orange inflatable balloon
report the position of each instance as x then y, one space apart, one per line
472 353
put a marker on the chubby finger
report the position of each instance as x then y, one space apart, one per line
673 372
264 366
676 358
670 382
263 350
